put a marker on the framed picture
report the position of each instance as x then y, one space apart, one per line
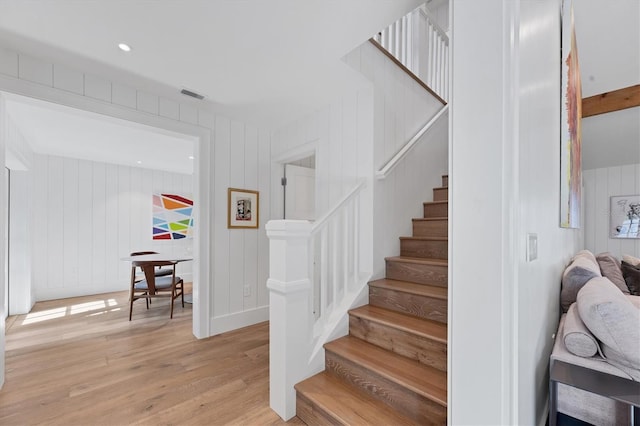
243 208
625 216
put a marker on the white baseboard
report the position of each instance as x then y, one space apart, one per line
237 320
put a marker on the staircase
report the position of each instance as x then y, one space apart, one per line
392 367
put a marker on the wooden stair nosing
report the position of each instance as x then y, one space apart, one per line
434 292
426 328
410 374
418 238
345 403
436 202
418 260
430 219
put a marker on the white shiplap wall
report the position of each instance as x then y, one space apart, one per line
87 216
233 161
599 185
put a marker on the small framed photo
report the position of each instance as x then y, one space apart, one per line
625 216
243 208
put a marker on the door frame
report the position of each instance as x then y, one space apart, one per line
202 177
277 166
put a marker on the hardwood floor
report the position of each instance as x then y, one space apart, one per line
80 361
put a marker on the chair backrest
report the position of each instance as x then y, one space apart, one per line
148 267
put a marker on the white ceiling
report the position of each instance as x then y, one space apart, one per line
270 61
265 61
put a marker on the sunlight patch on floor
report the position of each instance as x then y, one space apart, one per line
45 315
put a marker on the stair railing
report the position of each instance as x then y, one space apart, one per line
422 46
314 278
397 158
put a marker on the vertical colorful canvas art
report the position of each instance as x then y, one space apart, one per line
172 217
571 144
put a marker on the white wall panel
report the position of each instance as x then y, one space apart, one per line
188 114
8 62
147 102
68 79
35 70
599 186
70 218
169 109
264 183
124 95
97 87
221 245
93 215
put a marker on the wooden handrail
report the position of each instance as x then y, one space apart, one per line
391 164
407 70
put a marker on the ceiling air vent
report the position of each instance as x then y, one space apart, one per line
192 94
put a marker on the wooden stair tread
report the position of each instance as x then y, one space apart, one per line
413 288
426 381
425 238
347 404
429 219
432 330
420 260
436 202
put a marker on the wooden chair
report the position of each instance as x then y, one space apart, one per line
153 286
159 272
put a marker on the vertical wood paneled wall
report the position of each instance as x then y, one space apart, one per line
240 157
599 186
87 216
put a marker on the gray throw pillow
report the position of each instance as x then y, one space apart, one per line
576 336
572 281
610 268
631 276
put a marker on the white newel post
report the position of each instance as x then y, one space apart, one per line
290 312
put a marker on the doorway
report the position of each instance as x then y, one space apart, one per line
199 138
299 186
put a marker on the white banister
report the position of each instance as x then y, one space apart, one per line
314 278
418 35
393 162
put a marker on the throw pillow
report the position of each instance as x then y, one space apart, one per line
577 338
613 320
610 268
631 276
631 260
573 280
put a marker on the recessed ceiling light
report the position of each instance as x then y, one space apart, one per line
191 157
124 47
139 162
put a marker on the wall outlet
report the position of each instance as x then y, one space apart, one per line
247 291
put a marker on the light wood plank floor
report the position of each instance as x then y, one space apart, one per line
80 361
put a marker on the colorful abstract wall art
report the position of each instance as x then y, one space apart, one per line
172 217
570 139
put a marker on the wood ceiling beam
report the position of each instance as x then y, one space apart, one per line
615 100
